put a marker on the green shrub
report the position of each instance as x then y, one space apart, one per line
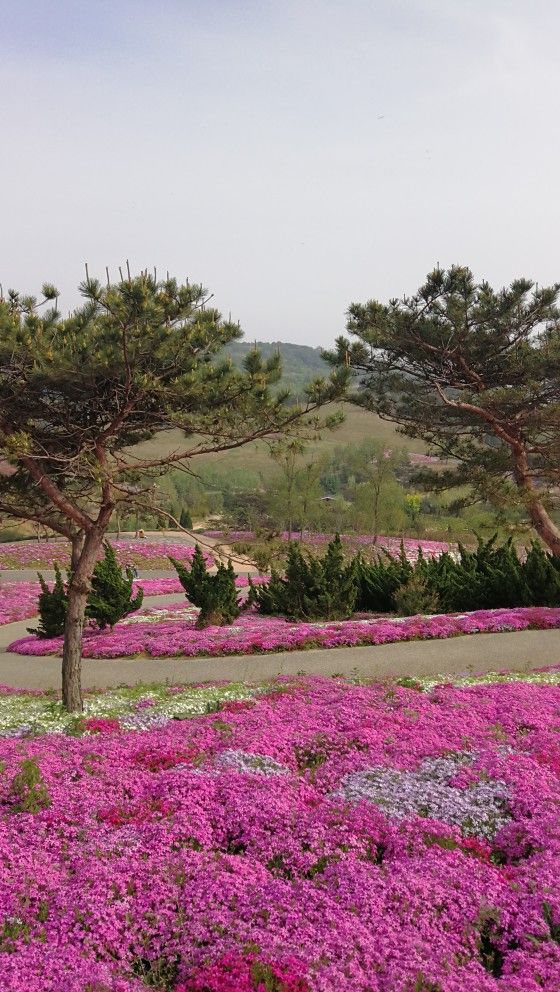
415 597
378 581
485 578
541 572
311 588
52 607
28 789
185 519
10 534
110 598
216 595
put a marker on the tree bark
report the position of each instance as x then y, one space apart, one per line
73 631
545 526
77 547
539 516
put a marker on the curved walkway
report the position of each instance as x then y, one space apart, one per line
465 655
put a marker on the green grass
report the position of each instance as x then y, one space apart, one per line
254 458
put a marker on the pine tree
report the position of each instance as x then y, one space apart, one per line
111 596
475 373
140 356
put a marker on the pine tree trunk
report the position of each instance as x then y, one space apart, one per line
541 520
77 547
545 526
73 631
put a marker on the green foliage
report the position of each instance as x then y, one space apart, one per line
474 372
185 519
312 588
216 595
414 597
300 363
139 357
541 572
110 598
52 606
28 789
487 578
378 581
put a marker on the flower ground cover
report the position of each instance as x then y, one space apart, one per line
234 851
18 601
172 632
142 707
147 554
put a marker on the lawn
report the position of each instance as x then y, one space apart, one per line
254 460
309 835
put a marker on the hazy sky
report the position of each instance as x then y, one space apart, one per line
292 155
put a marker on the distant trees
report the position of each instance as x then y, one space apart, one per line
295 491
475 373
380 502
78 393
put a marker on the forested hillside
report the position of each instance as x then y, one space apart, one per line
300 362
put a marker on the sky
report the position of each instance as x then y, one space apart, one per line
293 156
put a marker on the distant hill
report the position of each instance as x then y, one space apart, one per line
300 362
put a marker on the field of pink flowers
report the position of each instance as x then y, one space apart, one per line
320 837
18 601
144 554
171 631
354 541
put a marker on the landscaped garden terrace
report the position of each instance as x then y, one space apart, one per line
329 601
307 835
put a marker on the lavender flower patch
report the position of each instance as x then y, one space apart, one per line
250 764
479 810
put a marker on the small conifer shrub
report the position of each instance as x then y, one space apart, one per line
414 597
52 606
111 596
28 790
311 588
185 519
215 594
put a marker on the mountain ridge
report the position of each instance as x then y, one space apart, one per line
301 363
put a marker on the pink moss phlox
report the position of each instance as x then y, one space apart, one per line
253 633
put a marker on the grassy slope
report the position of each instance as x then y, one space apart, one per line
300 364
358 425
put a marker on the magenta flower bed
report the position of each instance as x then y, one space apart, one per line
31 554
390 544
18 601
326 838
176 634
